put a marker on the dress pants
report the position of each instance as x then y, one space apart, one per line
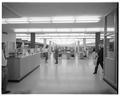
4 78
96 67
56 58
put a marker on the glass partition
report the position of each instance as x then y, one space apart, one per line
110 36
111 49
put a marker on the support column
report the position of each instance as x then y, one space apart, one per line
97 40
84 43
50 46
78 45
32 40
44 40
53 46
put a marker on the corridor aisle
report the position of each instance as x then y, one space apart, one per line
69 76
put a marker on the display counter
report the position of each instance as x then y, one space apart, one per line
21 66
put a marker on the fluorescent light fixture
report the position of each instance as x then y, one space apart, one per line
90 34
110 29
20 30
63 29
17 35
89 18
23 37
37 35
85 21
57 19
63 19
62 37
62 34
78 29
59 35
17 20
39 19
70 21
49 29
20 22
34 30
93 29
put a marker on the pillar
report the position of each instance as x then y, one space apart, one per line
32 40
44 40
50 46
75 47
78 46
97 40
84 43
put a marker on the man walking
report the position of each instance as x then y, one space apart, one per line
46 53
100 59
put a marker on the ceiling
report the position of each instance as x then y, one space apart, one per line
16 10
58 9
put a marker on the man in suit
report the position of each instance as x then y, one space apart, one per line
100 58
56 55
4 70
46 53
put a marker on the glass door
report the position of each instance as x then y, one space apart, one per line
111 49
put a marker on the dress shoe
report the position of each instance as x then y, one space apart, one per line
6 92
95 73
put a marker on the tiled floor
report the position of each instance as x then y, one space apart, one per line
70 76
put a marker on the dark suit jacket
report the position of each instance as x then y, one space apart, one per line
100 55
56 53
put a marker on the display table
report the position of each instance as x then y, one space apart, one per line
19 67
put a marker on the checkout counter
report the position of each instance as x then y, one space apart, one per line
22 65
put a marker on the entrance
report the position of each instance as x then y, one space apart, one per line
111 49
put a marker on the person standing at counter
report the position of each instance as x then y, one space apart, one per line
46 53
56 55
4 70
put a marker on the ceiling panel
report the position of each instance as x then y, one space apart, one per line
61 9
